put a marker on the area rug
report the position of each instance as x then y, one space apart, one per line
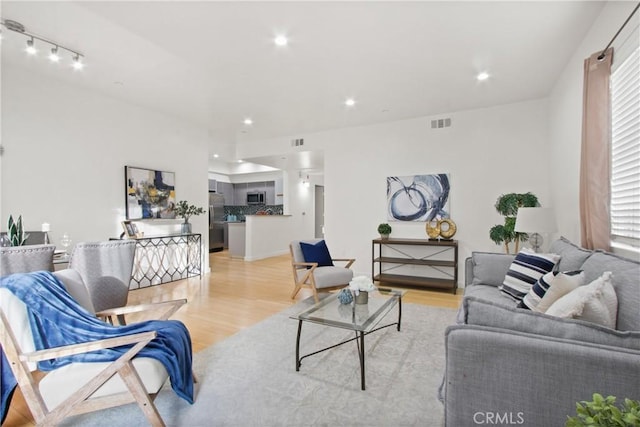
249 379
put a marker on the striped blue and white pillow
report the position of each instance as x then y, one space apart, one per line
525 270
537 291
540 288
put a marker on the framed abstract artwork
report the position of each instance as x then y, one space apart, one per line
149 193
418 197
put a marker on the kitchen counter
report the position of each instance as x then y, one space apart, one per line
237 239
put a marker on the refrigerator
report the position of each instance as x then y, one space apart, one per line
216 222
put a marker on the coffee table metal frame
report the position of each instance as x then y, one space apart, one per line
361 328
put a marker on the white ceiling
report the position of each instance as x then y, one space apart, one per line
214 63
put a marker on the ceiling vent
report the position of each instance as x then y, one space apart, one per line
297 142
440 123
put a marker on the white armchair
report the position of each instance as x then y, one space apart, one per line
78 387
313 275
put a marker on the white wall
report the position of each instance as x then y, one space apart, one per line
65 152
565 116
487 153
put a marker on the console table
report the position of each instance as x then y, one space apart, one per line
416 262
162 259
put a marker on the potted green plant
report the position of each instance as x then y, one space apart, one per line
16 232
507 205
185 211
384 229
602 411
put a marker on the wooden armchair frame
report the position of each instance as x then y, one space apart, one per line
308 279
115 316
79 402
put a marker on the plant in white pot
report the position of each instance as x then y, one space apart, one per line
384 229
185 211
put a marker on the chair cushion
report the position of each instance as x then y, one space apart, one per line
59 384
316 252
330 276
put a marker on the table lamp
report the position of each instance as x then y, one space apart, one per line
535 220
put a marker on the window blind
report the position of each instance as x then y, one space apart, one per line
625 151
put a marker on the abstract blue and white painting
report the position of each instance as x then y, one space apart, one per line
418 197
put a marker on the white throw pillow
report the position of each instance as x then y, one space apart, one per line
596 302
560 286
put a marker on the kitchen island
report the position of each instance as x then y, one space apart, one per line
261 236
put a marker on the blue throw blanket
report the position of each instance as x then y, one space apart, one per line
57 319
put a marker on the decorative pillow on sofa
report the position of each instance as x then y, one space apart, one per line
317 252
540 288
561 285
596 302
489 267
525 270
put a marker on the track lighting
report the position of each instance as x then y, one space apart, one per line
77 63
55 55
31 49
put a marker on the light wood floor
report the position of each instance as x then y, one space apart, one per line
235 295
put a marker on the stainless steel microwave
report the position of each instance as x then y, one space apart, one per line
256 198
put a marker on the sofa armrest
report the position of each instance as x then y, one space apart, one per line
526 378
468 271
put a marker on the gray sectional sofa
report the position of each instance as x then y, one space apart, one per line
507 365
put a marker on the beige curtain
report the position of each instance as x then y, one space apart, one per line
596 153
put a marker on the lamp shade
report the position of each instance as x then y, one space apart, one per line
535 220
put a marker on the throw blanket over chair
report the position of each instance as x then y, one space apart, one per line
24 259
41 323
313 267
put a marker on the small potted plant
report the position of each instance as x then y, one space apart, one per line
185 211
384 229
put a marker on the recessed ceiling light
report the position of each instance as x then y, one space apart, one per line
240 160
248 121
215 156
281 40
482 76
350 102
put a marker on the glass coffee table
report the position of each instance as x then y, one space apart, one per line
363 319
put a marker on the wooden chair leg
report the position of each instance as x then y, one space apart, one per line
296 289
134 383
